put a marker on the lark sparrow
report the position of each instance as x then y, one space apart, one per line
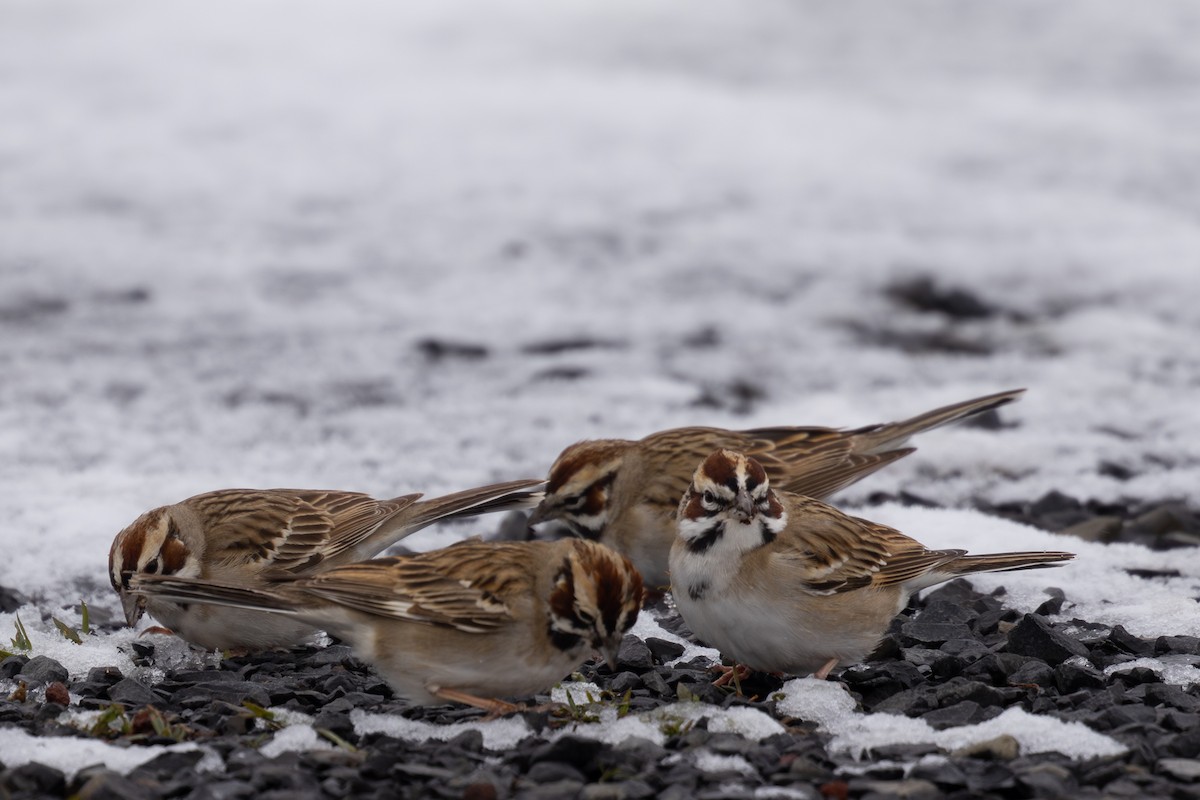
784 583
469 623
624 493
244 536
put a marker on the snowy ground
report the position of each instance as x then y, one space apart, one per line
423 246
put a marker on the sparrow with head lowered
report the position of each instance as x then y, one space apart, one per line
624 493
470 623
785 583
246 536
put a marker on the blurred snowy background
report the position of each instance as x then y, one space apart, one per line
394 247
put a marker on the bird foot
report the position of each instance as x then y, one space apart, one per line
495 708
824 671
157 629
735 675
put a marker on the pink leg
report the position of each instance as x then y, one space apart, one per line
734 674
824 671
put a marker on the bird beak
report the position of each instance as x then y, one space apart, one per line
538 515
744 506
609 651
134 605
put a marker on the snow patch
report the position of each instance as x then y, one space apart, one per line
828 704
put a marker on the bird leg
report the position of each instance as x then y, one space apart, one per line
157 629
824 671
735 675
491 705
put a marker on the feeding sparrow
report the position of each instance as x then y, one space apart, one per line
624 493
469 623
784 583
244 536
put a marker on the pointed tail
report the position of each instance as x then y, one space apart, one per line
891 436
198 590
1006 562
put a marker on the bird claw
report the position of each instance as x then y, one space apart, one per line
735 675
157 629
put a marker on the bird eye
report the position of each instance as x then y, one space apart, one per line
152 565
575 502
709 497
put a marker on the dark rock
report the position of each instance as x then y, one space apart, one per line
1032 673
624 682
42 669
1189 645
1053 502
550 791
1186 744
1001 748
1072 677
1048 780
634 654
109 785
104 675
1112 469
11 600
132 692
965 712
940 609
438 350
1120 716
1033 636
553 771
1162 694
1123 640
956 690
573 750
34 779
11 667
1185 769
232 692
168 764
1163 519
923 294
656 684
1095 529
922 656
567 344
935 632
663 649
1053 605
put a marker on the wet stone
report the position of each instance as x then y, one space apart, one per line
34 779
110 785
656 684
1162 694
132 692
10 600
1053 605
1071 677
623 682
1033 636
1186 769
663 649
635 654
966 712
1189 645
42 669
12 666
232 692
104 675
935 632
